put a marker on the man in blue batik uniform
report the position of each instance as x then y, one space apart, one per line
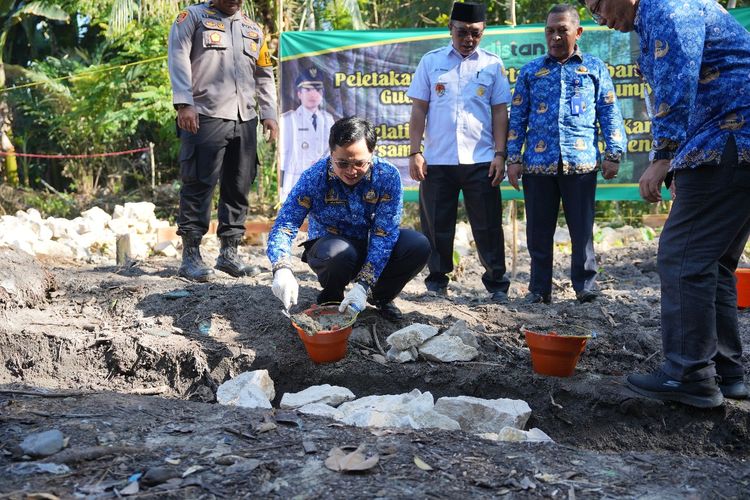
459 99
557 103
353 200
696 58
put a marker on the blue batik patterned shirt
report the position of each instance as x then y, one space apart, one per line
542 115
696 58
369 210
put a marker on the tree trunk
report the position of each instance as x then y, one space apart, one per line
11 165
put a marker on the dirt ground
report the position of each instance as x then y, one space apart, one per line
129 360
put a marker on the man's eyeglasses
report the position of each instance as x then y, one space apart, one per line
355 164
464 33
598 19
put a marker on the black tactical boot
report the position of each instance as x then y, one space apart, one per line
192 266
229 259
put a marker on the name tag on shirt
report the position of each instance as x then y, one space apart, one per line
576 104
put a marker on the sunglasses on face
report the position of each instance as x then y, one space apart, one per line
464 33
355 164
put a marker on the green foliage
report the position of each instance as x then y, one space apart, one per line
116 103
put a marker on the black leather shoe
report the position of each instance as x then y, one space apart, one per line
587 296
229 259
390 312
658 385
499 297
193 267
734 387
537 298
437 288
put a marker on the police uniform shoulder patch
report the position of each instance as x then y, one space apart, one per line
264 56
181 16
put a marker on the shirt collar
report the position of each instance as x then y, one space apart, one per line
473 55
576 56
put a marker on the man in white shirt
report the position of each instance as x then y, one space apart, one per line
459 98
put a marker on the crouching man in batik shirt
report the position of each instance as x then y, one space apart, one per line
353 203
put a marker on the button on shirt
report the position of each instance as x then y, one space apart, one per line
220 64
542 116
460 92
696 58
370 210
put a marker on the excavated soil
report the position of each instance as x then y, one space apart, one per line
126 362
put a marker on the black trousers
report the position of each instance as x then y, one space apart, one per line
337 260
438 205
222 151
542 195
699 249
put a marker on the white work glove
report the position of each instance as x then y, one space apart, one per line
285 287
356 298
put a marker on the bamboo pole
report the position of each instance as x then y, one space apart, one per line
153 167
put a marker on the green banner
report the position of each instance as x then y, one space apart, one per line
367 73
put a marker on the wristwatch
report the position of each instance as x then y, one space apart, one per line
612 157
503 154
180 106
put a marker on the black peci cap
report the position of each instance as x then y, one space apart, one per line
469 12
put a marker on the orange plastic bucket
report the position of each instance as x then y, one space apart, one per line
325 346
553 354
743 287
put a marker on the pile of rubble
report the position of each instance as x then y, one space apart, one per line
494 419
92 237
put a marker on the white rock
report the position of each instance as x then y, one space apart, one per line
411 336
461 330
61 228
463 239
447 348
321 410
118 212
53 248
512 434
413 410
361 335
154 224
97 215
142 211
562 236
484 415
327 394
34 215
166 248
397 356
119 226
249 389
43 444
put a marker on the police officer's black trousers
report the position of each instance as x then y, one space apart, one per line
699 249
438 205
542 195
222 151
337 261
